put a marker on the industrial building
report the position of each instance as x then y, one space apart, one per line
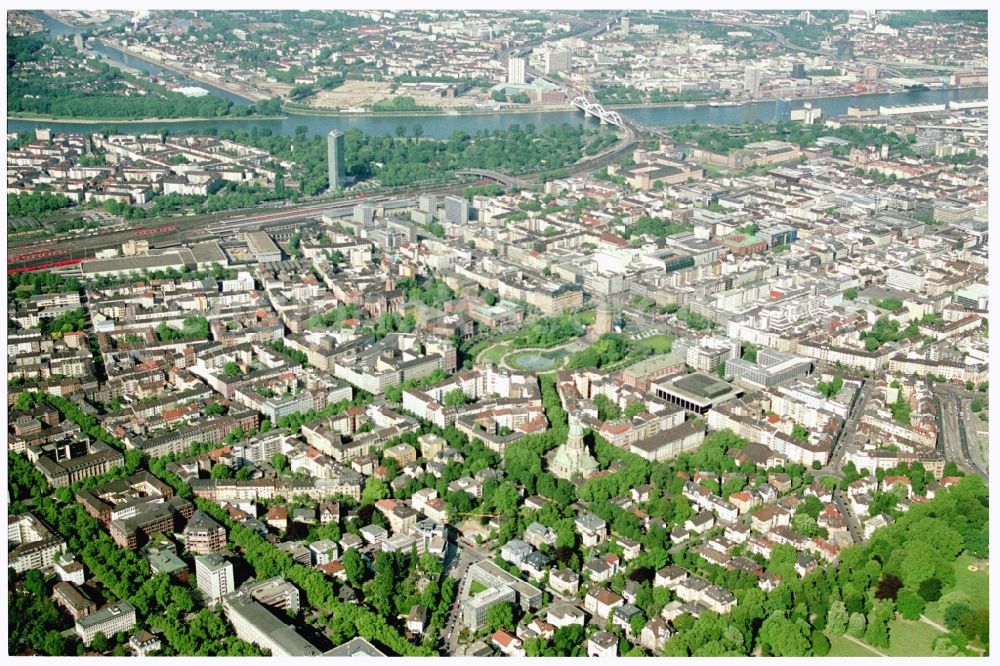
263 248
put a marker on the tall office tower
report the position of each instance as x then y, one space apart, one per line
557 60
626 25
364 213
215 577
515 70
751 80
335 159
428 203
456 210
799 70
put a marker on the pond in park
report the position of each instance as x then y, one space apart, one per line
535 361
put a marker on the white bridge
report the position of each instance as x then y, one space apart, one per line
595 109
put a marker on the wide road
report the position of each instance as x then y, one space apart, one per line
845 439
954 438
853 524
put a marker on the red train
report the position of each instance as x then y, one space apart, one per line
42 267
157 230
36 255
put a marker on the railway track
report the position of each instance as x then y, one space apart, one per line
176 230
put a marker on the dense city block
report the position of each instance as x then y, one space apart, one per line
609 387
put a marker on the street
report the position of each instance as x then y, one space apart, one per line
852 522
845 438
465 555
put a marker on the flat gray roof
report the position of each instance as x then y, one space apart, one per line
261 243
149 262
205 253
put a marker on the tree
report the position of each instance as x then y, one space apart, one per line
955 614
567 641
220 471
500 616
354 567
504 498
910 604
279 461
215 409
633 409
930 590
454 398
877 633
944 647
24 402
856 625
99 643
231 369
375 489
636 624
888 587
34 583
837 618
820 644
919 563
606 410
784 637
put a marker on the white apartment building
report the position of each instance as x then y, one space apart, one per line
215 577
108 621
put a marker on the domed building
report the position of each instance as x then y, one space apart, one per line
572 458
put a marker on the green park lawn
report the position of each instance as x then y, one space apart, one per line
660 344
843 647
494 354
906 639
974 584
910 639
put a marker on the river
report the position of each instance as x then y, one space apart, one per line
116 57
441 126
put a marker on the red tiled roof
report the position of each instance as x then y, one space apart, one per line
502 638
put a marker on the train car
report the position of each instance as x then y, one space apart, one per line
45 254
157 230
42 267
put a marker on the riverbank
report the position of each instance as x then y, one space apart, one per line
55 16
330 113
99 121
762 100
719 103
442 126
249 94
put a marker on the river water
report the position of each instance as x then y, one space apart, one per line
441 126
